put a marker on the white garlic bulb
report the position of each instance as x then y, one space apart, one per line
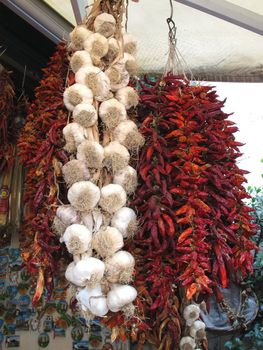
96 80
127 178
107 241
112 112
119 267
129 63
67 214
92 153
191 313
197 330
127 96
118 76
78 36
112 198
69 272
113 51
116 156
93 300
105 24
85 114
125 221
187 343
97 45
83 195
129 43
119 296
77 239
73 134
89 271
74 171
80 59
76 94
127 134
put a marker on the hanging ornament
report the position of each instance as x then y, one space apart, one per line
43 340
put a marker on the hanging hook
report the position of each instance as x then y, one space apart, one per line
171 25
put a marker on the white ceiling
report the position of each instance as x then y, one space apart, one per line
214 49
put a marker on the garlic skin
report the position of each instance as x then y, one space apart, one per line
73 134
76 94
125 221
191 313
84 195
69 272
119 296
97 220
127 178
129 43
112 112
97 45
67 215
75 171
87 220
58 226
88 271
107 241
93 300
85 114
105 24
78 36
118 76
77 239
80 59
197 330
92 153
127 96
127 134
113 51
96 80
116 156
119 267
187 343
112 198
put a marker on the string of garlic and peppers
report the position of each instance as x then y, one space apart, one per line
100 139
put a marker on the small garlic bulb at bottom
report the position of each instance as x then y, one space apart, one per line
120 296
119 267
93 300
187 343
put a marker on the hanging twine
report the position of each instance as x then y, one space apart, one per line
176 64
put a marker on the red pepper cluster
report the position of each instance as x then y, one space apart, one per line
7 109
195 227
40 148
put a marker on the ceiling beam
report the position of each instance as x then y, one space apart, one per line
79 9
228 12
42 17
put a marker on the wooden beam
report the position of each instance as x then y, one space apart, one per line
228 12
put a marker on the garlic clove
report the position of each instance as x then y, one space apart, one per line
58 226
77 239
67 214
119 267
73 134
87 220
191 313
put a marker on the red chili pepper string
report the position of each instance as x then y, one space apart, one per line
40 144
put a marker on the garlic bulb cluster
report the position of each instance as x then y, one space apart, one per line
99 138
195 328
